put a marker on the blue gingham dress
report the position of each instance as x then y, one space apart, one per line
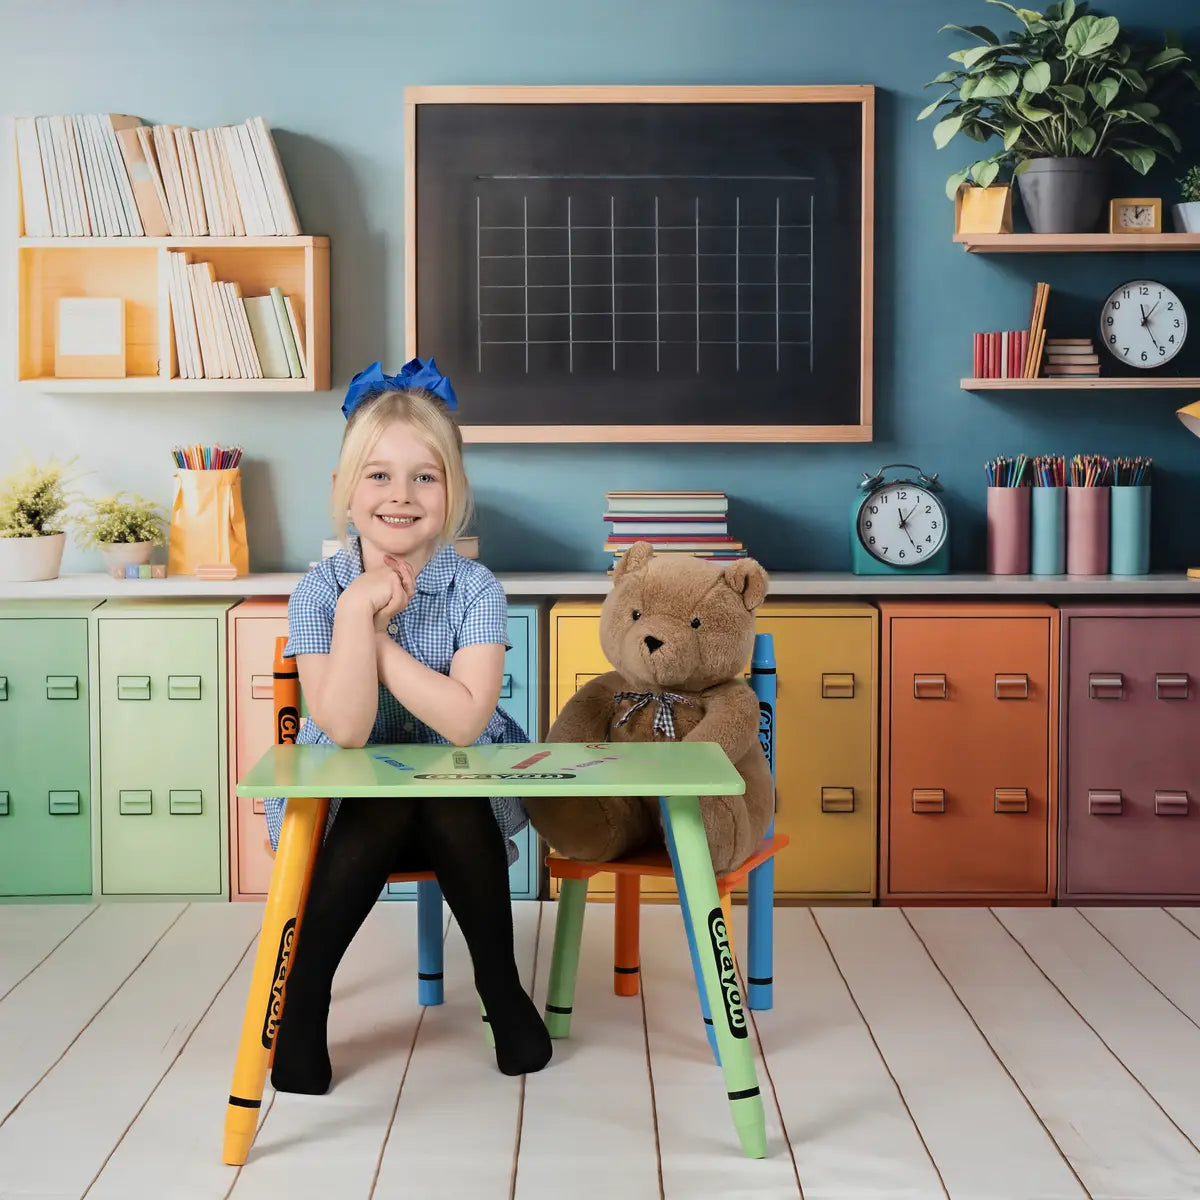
458 602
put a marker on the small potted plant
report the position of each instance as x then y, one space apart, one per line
125 527
33 504
1187 213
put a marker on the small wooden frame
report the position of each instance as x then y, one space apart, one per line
1134 208
566 406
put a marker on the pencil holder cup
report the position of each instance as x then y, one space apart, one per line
1087 530
1048 549
1130 536
1008 530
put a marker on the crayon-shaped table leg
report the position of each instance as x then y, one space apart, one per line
430 952
299 839
689 849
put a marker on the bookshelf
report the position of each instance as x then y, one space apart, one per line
136 269
1092 383
1074 243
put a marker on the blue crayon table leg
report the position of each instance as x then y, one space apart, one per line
430 987
693 866
760 916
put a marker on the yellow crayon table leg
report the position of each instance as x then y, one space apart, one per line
299 840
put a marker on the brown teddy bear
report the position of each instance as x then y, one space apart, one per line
679 630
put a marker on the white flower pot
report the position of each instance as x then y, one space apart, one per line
25 560
124 554
1187 216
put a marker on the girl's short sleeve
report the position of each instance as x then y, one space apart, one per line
311 610
485 615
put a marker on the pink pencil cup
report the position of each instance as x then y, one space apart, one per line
1087 530
1008 530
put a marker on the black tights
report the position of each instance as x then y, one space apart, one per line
370 839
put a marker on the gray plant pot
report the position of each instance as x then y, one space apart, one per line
1064 195
1187 216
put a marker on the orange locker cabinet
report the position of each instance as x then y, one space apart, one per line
968 764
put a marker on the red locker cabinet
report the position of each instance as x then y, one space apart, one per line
968 773
1130 781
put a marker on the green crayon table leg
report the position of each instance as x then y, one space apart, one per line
694 865
564 962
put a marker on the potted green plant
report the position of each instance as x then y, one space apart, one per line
33 504
1065 94
125 527
1187 212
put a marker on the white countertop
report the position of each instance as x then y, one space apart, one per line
99 586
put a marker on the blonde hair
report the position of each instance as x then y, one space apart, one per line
432 423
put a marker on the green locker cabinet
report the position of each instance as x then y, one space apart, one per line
45 763
520 698
161 742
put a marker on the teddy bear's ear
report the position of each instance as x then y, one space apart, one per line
636 557
750 580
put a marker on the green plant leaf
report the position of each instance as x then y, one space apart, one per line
1171 55
956 181
1089 35
1140 158
930 109
971 55
1002 82
943 131
985 171
982 32
1012 135
1169 134
1083 140
1030 113
967 90
944 77
1066 11
1132 77
1070 91
1145 110
1037 78
1104 90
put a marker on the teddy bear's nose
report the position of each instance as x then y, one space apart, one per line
652 643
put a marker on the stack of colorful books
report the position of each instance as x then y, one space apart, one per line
684 522
1071 356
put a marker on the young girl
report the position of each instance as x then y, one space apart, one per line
399 639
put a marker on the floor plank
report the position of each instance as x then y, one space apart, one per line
455 1130
985 1141
1154 941
31 932
851 1135
1161 1048
1115 1137
701 1155
42 1014
314 1147
588 1125
98 1086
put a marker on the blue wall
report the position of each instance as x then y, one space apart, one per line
330 77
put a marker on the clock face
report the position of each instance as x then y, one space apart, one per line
901 523
1136 216
1143 323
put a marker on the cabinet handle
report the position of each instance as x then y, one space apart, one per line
929 800
135 803
183 687
3 804
837 685
62 687
1170 687
262 687
929 687
1104 804
1010 800
185 802
1098 684
258 806
506 687
133 687
1170 804
64 804
1011 687
3 687
837 799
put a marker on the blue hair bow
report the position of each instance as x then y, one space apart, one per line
415 374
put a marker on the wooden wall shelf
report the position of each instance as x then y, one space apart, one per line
136 269
1087 383
1074 243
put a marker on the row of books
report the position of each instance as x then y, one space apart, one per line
692 523
109 175
1000 354
221 334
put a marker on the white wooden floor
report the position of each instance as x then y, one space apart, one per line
1014 1054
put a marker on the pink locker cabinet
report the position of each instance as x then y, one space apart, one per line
1129 827
255 624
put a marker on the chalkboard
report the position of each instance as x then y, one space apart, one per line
644 264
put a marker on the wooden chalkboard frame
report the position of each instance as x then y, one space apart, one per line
860 95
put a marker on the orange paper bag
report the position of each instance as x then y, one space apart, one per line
207 522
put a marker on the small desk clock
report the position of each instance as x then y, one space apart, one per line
899 526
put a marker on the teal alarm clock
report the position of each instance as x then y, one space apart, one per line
899 526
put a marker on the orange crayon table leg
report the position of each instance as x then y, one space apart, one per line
299 840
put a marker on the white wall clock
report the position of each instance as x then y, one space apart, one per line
1143 324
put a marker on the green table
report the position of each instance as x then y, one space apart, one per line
677 772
